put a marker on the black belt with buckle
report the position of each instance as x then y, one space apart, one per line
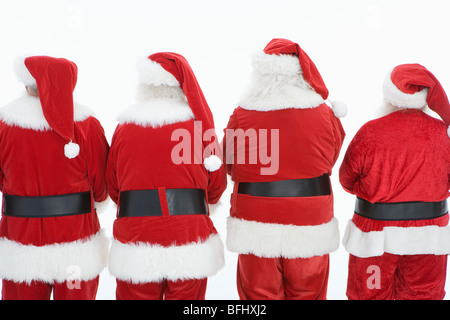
414 210
311 187
145 203
47 206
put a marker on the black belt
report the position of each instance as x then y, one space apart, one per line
144 203
288 188
47 206
414 210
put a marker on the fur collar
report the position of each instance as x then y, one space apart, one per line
156 113
157 106
387 108
26 112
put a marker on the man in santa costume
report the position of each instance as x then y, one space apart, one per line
162 174
52 158
281 221
398 166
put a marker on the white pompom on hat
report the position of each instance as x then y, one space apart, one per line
339 109
71 150
212 163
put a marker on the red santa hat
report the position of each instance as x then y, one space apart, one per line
172 69
413 86
282 56
55 80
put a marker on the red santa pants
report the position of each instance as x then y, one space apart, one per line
401 277
281 278
36 290
194 289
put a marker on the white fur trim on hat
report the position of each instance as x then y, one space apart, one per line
397 240
22 72
401 99
272 240
153 73
142 262
55 262
273 64
212 163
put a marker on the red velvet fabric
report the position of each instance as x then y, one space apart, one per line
36 290
310 210
140 158
33 164
282 279
404 156
56 79
178 66
194 289
400 277
309 144
165 231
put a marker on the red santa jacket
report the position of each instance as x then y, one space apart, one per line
309 141
32 163
401 157
149 249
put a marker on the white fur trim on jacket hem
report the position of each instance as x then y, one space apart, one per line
403 100
142 263
397 240
271 240
78 260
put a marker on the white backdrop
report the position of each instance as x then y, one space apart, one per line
354 43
